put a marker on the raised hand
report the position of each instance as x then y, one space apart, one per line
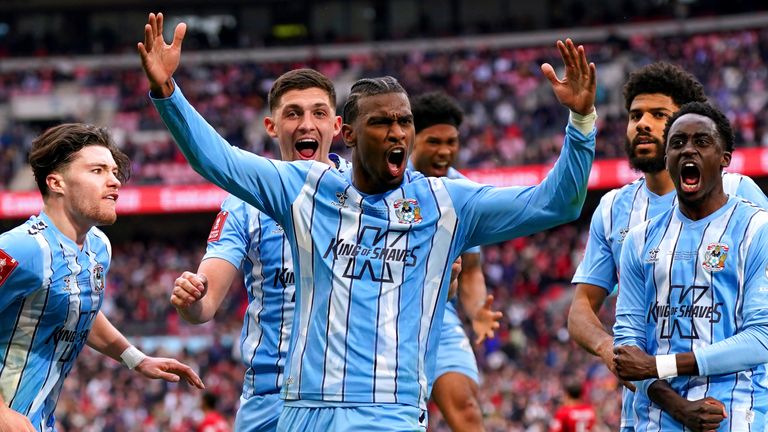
159 59
486 322
169 370
188 289
578 88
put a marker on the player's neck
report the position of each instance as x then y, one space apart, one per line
65 222
659 183
697 210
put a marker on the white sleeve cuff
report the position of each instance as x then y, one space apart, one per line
584 123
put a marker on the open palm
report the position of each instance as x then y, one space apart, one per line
577 89
158 58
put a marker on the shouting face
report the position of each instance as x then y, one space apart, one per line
696 157
381 136
304 124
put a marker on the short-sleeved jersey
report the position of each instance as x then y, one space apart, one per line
372 271
255 243
50 293
619 211
686 285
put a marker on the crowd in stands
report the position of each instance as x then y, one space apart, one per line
512 117
522 367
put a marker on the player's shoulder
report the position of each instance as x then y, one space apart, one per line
100 238
620 193
453 173
22 243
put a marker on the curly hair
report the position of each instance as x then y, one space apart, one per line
722 124
664 78
434 108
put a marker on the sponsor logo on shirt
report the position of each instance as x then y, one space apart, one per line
714 257
7 265
218 226
407 210
684 306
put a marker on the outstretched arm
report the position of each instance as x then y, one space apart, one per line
520 211
106 339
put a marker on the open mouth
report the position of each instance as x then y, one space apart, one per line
307 148
395 160
690 177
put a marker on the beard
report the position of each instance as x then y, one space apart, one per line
645 164
98 213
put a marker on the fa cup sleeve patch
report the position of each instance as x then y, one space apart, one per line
7 266
218 226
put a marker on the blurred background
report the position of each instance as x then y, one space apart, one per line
66 60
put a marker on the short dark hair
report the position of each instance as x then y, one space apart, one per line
664 78
368 87
300 79
434 108
573 388
722 124
56 147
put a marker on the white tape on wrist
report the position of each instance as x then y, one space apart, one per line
132 356
666 366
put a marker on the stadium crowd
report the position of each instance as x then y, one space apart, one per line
511 116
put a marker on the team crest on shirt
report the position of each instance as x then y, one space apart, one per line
98 277
714 257
653 256
407 210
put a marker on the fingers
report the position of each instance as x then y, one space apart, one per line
159 27
186 372
549 73
187 289
149 39
178 35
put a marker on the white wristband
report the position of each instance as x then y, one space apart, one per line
666 366
132 356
